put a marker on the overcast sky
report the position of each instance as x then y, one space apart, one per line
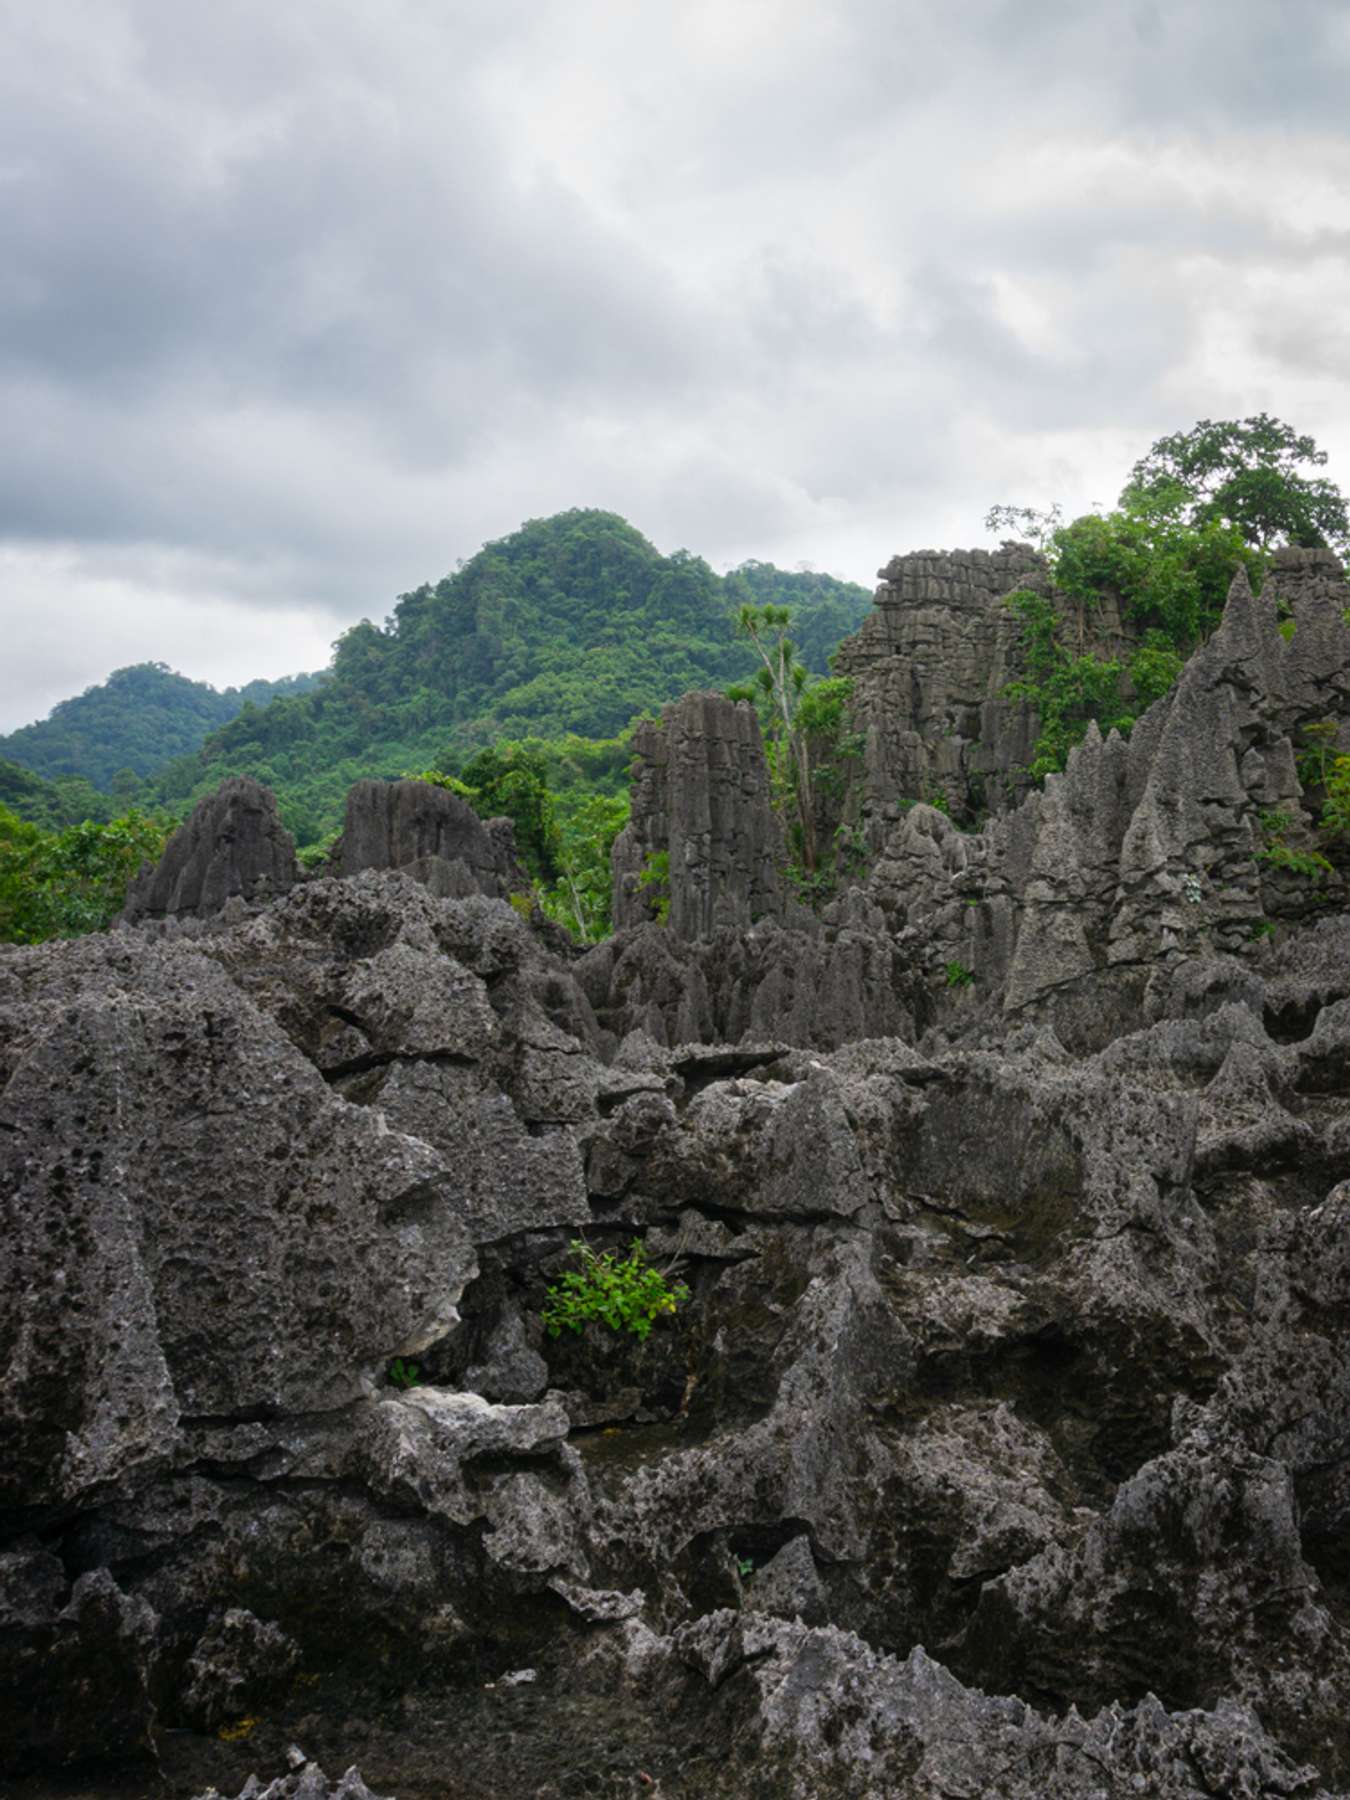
301 301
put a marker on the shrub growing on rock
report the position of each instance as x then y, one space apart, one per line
627 1295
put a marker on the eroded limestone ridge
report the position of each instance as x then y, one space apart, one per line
1001 1447
929 667
1150 852
433 835
701 806
233 847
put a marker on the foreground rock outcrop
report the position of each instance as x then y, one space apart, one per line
1002 1442
1002 1445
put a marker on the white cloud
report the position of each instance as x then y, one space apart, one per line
301 304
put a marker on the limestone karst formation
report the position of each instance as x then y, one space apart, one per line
1003 1446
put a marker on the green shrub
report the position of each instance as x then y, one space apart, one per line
1297 862
656 875
1335 820
627 1295
958 975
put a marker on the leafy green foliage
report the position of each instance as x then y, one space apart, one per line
404 1374
1298 862
1067 691
654 880
1168 575
1154 669
1248 475
567 802
580 898
1200 505
1335 819
134 722
1026 523
821 707
61 884
561 632
1280 855
626 1294
824 609
958 975
510 781
51 804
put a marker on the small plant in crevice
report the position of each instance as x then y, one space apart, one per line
958 975
655 875
1279 855
404 1374
745 1567
627 1294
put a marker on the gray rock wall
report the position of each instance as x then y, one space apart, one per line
701 798
432 835
1146 853
929 667
1035 1361
234 846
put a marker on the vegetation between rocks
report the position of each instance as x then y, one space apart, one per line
627 1294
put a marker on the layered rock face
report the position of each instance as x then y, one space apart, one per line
433 835
701 803
233 847
929 668
1001 1447
1144 855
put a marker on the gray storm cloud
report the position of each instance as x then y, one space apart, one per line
299 304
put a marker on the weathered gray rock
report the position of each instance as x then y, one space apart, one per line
1142 855
306 1783
820 988
701 801
239 1663
813 1713
929 667
193 1223
431 834
1031 1356
77 1664
233 846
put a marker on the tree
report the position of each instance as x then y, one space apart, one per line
1247 473
781 678
511 782
65 883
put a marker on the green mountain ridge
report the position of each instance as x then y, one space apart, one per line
565 630
133 723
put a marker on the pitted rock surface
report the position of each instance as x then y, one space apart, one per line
1001 1446
701 800
234 846
1147 854
929 667
433 835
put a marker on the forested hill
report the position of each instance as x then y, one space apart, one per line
134 722
572 625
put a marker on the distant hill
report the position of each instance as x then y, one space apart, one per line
136 721
572 625
51 804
